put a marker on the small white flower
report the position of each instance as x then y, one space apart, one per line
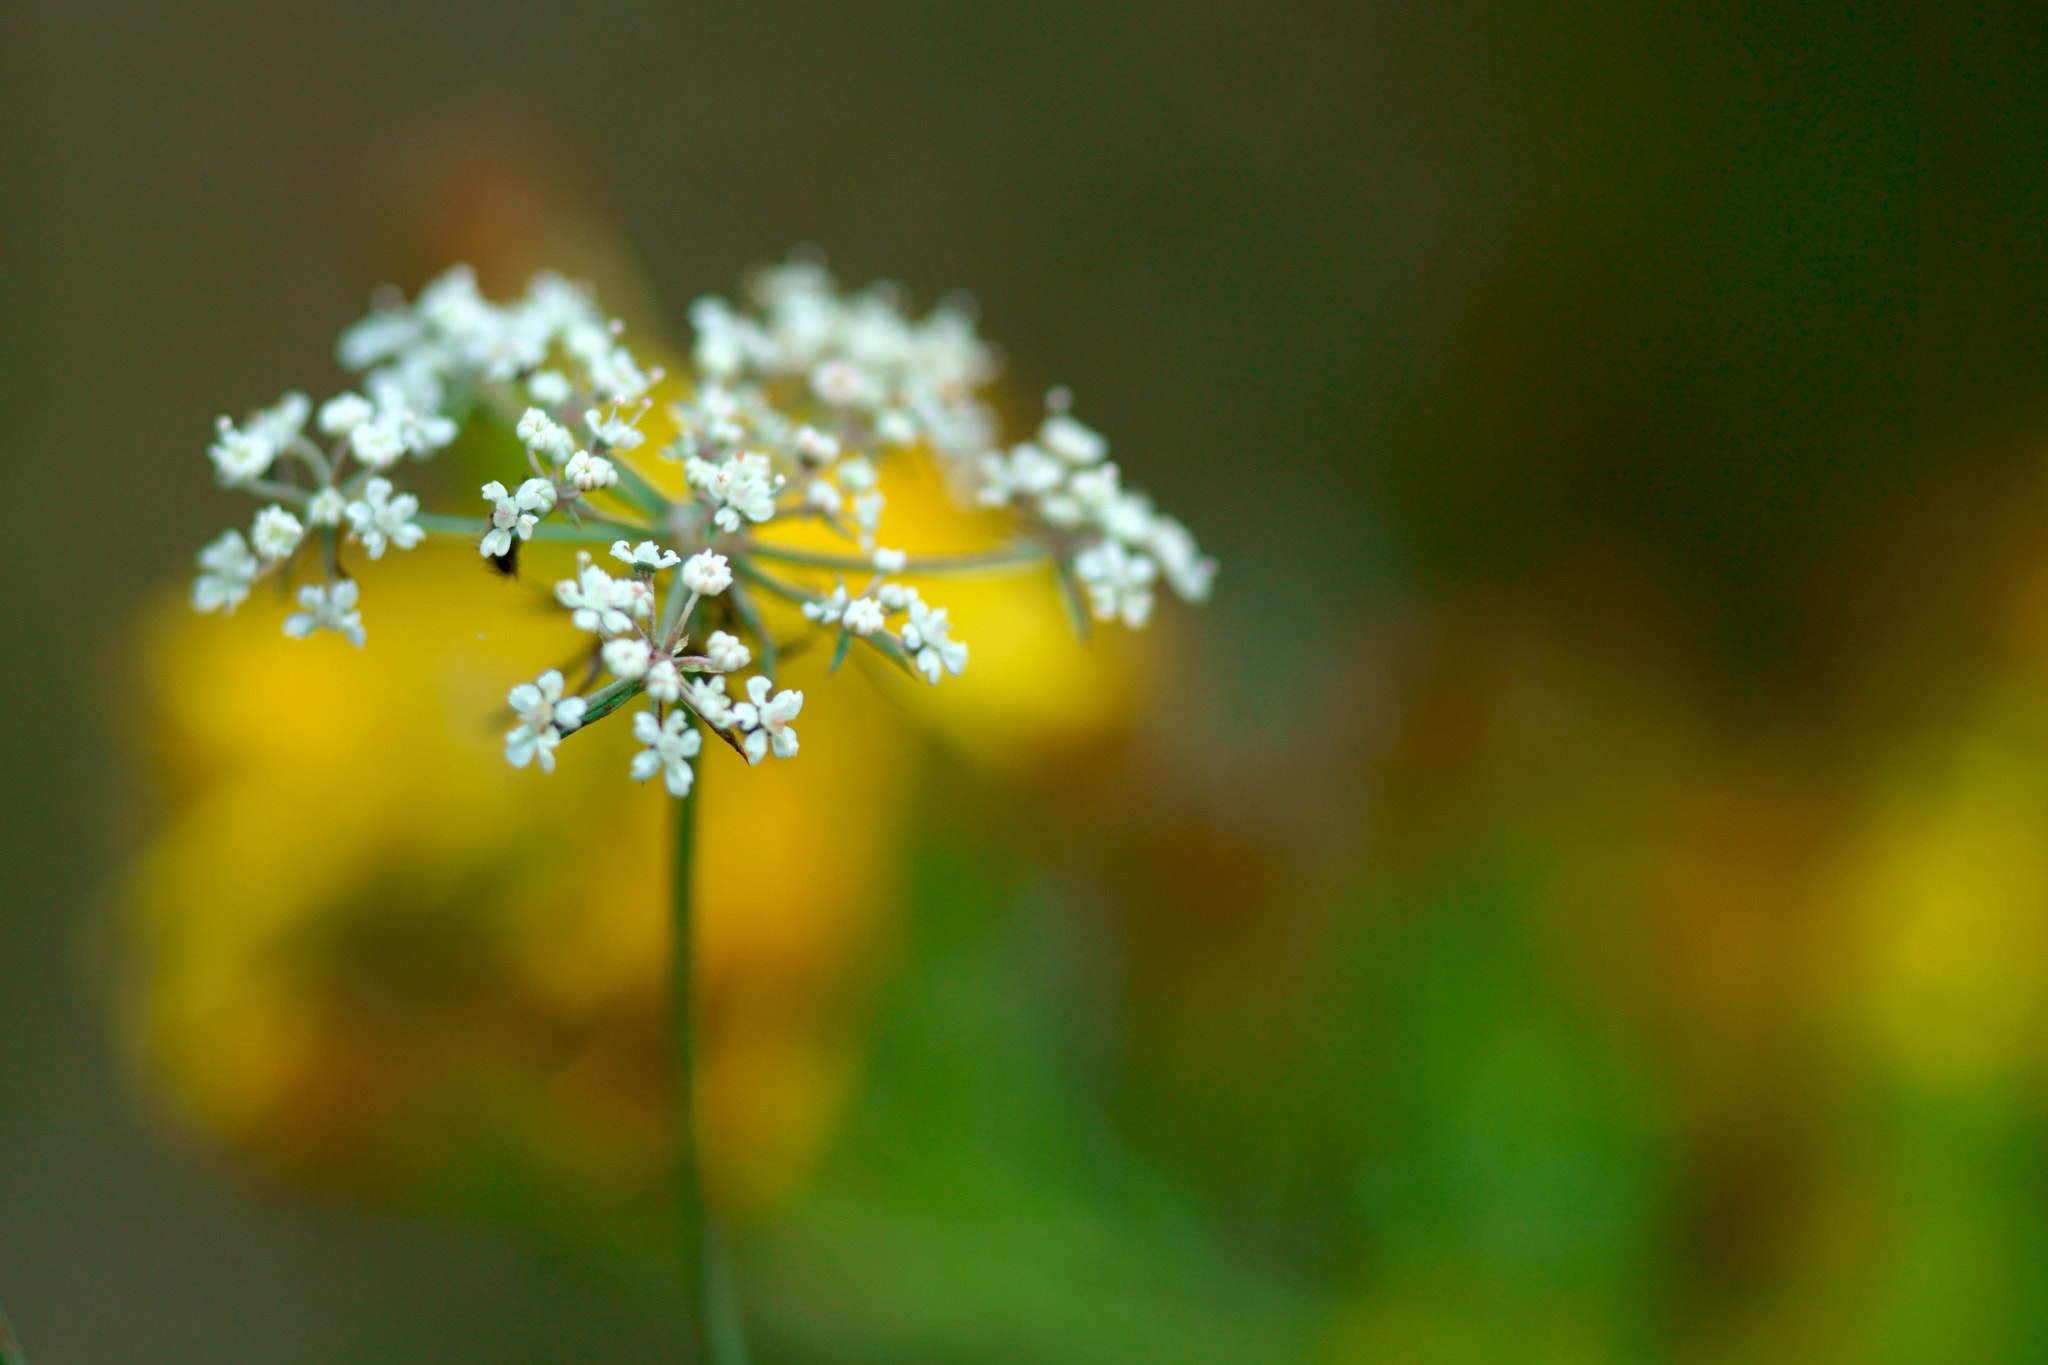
706 696
544 715
925 632
1191 573
664 681
247 452
276 532
840 383
827 610
857 474
1026 470
671 744
645 557
628 658
863 616
707 573
230 569
896 428
613 431
821 494
589 472
1071 441
379 444
377 518
743 486
551 387
326 508
327 608
539 433
816 446
895 597
239 456
867 513
514 513
767 722
345 412
1119 582
726 653
891 561
600 602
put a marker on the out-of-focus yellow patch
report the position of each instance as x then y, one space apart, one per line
1953 902
376 956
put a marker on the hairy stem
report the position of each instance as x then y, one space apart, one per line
711 1314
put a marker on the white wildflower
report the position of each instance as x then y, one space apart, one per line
645 557
588 472
726 653
867 513
550 387
822 495
600 602
345 412
894 597
671 744
815 446
664 681
707 573
326 508
840 383
767 722
857 474
706 696
925 633
544 714
863 616
276 532
828 609
327 608
890 561
378 518
743 486
628 658
229 570
1188 570
514 513
380 443
1119 582
543 436
613 431
247 452
1071 441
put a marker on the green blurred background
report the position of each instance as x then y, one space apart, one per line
1579 894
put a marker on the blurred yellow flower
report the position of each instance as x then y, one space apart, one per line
375 956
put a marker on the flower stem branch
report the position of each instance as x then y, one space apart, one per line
1003 556
594 531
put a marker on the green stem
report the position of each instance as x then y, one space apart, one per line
594 531
1003 556
10 1349
710 1312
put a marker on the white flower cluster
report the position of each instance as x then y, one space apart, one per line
798 403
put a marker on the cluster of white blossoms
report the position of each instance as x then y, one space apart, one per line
797 404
